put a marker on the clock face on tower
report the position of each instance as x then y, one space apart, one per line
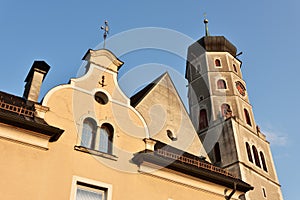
241 88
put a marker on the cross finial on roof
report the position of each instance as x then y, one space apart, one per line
105 28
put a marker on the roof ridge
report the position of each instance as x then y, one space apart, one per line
139 96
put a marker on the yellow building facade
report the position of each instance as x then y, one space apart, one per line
87 140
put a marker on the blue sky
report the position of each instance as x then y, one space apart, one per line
60 32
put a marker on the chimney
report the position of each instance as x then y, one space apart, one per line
34 80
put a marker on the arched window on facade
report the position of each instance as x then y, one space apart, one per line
106 138
226 110
247 117
89 133
256 157
263 161
217 63
203 122
249 152
217 152
221 84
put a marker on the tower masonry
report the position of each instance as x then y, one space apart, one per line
222 115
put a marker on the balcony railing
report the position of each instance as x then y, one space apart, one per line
16 109
194 162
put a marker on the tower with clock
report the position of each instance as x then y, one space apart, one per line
222 115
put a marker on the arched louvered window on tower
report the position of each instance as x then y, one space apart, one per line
249 152
226 110
217 152
256 157
106 138
247 117
263 161
234 67
217 62
203 122
89 133
221 84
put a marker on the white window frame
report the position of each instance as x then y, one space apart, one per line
77 179
226 84
218 58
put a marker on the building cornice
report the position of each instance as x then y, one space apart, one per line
198 172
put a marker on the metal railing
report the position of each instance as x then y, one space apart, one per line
194 162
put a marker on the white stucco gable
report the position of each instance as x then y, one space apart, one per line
166 116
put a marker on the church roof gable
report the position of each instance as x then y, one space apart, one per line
136 98
166 117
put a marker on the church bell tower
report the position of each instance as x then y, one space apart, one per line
222 115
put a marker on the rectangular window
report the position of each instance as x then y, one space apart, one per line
89 192
86 189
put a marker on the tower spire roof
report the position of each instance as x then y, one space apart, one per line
206 25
